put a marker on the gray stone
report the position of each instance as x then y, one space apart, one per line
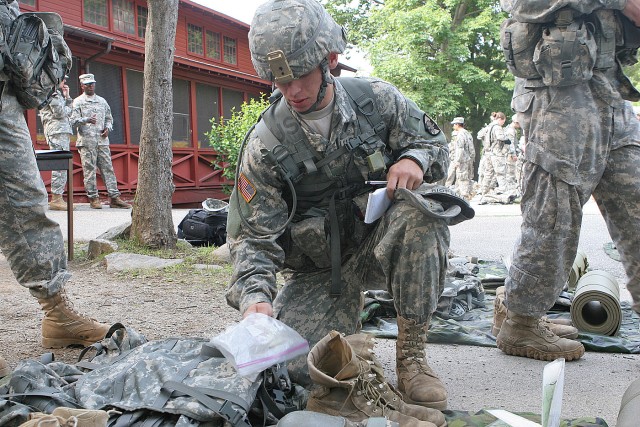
120 261
207 267
222 254
98 247
119 231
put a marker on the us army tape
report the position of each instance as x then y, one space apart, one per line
596 304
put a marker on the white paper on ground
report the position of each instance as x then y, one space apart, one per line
552 388
377 205
512 419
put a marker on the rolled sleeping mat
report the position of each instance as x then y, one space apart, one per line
315 419
578 269
629 413
596 304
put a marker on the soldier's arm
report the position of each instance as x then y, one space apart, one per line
108 118
544 10
256 256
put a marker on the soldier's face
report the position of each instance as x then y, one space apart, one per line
89 88
302 93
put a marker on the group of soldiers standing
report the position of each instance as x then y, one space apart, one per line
500 162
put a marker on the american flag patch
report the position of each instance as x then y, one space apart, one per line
247 189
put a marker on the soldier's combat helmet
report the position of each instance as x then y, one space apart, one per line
290 38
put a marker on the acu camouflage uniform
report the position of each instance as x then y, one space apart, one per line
511 133
57 132
93 148
582 140
31 242
495 164
404 251
462 155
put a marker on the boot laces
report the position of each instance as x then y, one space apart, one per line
544 329
64 298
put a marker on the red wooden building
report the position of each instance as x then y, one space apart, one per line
212 74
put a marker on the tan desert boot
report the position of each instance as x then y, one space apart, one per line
362 345
343 387
94 203
560 327
530 337
118 203
57 203
68 417
417 382
62 326
4 367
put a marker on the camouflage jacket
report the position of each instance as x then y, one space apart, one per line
464 150
257 257
55 115
83 108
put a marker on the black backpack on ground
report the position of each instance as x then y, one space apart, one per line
202 228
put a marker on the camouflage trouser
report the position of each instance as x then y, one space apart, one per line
495 170
58 141
98 157
406 252
458 177
31 242
551 219
511 172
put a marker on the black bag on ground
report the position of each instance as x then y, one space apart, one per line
202 228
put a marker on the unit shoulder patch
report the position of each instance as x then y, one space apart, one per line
431 126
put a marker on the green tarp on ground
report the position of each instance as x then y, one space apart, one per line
485 419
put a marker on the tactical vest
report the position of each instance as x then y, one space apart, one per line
319 190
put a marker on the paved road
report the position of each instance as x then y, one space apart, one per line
478 377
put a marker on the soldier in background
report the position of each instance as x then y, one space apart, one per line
405 250
92 116
31 242
495 149
512 132
57 132
462 156
567 161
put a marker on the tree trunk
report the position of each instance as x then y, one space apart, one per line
152 223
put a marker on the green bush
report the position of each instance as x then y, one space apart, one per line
226 136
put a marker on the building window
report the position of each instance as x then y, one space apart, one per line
194 34
181 122
143 15
213 45
109 86
123 16
231 100
230 55
135 92
95 12
207 108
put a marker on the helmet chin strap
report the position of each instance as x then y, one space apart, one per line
326 79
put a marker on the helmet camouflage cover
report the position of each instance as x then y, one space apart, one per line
290 38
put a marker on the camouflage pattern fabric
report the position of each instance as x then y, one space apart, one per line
31 242
57 132
405 251
462 157
94 158
495 166
93 148
582 140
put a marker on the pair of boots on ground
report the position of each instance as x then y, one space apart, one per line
532 337
349 382
63 326
57 203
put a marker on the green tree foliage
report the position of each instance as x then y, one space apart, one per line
445 55
227 136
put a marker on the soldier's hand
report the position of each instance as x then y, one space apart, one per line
65 91
261 307
93 120
105 133
632 11
404 174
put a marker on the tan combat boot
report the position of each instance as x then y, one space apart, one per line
343 387
94 203
68 417
62 326
4 367
560 327
362 345
57 203
530 337
416 380
118 203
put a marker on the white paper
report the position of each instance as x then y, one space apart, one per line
512 419
552 388
377 205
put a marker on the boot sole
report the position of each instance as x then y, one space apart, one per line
439 405
533 353
65 342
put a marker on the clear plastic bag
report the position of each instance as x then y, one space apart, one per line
258 342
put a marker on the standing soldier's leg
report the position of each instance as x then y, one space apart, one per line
617 195
58 141
89 159
109 176
488 175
